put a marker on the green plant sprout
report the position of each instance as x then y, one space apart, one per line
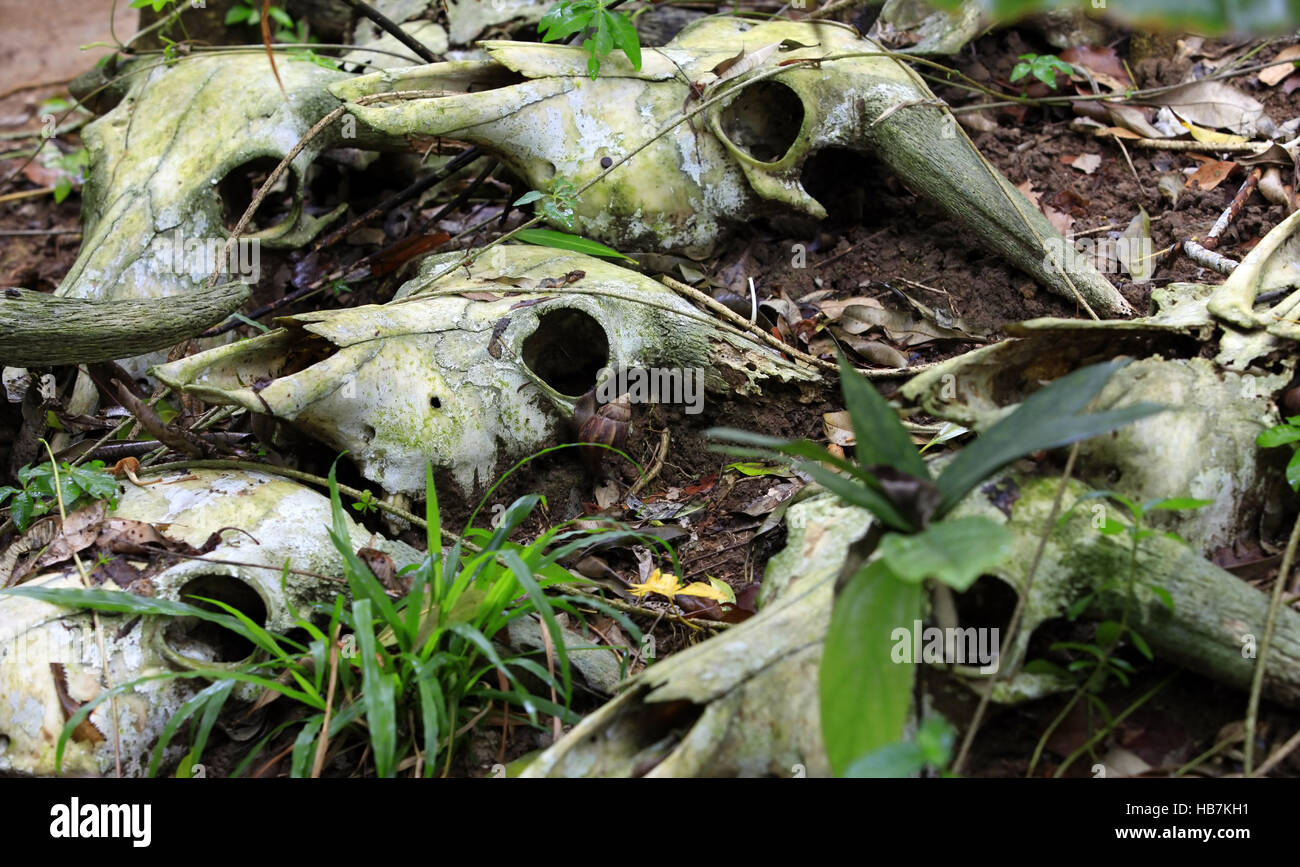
1098 662
1042 66
36 496
603 29
865 696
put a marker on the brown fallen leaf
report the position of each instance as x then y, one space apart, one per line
85 730
1211 174
1271 75
1086 163
1104 64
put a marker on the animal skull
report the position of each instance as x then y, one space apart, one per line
158 157
537 108
281 523
492 359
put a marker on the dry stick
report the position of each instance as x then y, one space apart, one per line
1278 755
1234 208
393 30
318 284
969 739
1257 682
323 744
265 189
1200 146
1203 252
757 331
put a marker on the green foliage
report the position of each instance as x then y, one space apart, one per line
37 496
932 748
156 5
1287 434
1098 662
72 168
603 29
1209 16
250 13
865 695
563 241
366 504
556 206
410 671
1042 66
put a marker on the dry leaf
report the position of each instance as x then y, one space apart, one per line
1215 105
1211 174
1209 136
1103 63
1086 163
838 428
1273 74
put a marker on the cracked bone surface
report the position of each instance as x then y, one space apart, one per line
464 369
536 107
281 521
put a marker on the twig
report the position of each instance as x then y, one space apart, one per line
1265 644
393 30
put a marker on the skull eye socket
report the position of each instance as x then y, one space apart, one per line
764 120
242 182
567 350
202 641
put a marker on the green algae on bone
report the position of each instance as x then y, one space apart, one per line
373 393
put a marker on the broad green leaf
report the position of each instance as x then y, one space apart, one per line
625 37
1163 595
528 198
881 437
1047 419
865 695
564 241
1293 471
955 552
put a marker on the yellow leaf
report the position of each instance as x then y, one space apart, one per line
666 585
702 590
1209 136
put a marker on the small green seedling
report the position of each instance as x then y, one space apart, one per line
1042 66
604 30
37 496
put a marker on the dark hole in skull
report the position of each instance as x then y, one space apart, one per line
203 641
241 183
764 120
845 182
988 604
567 350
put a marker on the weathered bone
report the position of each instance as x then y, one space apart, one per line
158 155
680 192
440 376
278 521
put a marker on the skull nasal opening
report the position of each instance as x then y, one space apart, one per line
567 350
764 120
